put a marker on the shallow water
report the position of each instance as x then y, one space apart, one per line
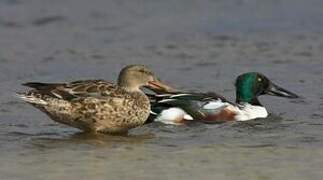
195 45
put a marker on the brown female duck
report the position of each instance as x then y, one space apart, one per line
97 105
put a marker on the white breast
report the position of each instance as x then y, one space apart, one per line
217 104
249 112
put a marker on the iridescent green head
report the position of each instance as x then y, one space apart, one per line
251 85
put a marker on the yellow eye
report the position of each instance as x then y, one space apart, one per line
259 79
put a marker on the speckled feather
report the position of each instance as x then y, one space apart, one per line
74 89
91 105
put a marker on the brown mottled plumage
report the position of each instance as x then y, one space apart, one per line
97 105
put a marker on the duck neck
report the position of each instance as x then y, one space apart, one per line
128 85
254 102
131 88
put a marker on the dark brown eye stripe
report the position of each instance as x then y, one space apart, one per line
143 71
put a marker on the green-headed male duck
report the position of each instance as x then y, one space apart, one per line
179 107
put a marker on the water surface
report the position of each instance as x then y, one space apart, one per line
194 45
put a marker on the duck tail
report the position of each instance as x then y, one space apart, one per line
40 86
31 98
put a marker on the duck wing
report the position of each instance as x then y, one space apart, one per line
75 89
196 105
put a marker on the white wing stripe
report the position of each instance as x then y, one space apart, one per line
179 95
214 105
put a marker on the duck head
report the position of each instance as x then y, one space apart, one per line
132 77
250 86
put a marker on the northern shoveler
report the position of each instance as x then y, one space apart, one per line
179 107
97 105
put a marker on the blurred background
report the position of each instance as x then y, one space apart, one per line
195 45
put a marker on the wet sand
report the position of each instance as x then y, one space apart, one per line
198 46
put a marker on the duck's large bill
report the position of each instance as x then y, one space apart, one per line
275 90
159 86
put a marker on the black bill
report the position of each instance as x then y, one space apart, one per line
275 90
